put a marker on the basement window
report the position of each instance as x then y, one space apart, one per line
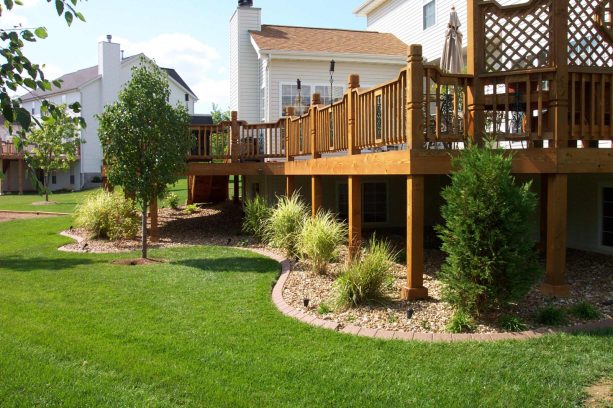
53 178
374 202
607 216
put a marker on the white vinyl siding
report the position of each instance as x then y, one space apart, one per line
429 13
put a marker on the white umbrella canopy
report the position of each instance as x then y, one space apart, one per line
452 60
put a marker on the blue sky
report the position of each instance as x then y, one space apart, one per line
188 35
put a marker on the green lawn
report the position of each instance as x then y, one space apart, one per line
66 202
201 330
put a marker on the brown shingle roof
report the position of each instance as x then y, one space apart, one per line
327 40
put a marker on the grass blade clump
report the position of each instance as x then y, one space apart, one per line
285 222
365 277
108 215
320 239
257 214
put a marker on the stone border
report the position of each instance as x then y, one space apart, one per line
286 309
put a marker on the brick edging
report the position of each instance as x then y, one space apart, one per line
286 309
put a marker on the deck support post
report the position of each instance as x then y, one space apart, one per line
316 195
354 194
234 137
558 102
415 98
190 190
289 186
555 283
414 288
21 166
153 218
476 65
543 214
315 100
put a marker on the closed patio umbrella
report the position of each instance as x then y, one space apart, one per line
452 60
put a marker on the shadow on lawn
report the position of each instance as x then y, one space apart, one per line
230 264
29 264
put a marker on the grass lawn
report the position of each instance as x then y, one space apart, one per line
66 202
201 330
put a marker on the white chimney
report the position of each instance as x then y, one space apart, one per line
244 64
109 67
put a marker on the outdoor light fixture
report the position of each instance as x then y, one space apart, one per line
299 87
305 301
332 63
410 312
298 84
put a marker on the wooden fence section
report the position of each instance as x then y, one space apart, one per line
8 150
540 75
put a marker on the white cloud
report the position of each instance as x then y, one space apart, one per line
198 64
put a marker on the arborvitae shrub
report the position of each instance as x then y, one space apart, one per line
285 223
320 239
486 232
108 215
257 213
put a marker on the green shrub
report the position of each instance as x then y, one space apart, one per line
551 316
108 215
191 209
366 276
511 323
319 240
172 200
486 233
285 222
585 310
461 322
323 309
257 213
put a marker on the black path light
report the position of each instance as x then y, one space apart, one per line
299 88
332 63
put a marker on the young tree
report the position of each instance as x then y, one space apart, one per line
145 140
218 115
54 145
486 234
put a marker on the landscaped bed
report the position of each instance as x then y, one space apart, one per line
589 275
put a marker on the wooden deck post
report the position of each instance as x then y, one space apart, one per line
315 100
558 102
555 277
288 142
354 195
543 213
475 64
353 85
153 215
290 186
21 165
414 288
234 139
415 98
316 195
190 189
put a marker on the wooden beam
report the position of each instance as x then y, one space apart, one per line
290 186
354 198
316 195
414 288
555 276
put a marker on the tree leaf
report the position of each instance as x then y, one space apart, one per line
59 7
69 17
41 32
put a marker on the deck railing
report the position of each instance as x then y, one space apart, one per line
540 74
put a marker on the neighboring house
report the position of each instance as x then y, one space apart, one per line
266 61
94 88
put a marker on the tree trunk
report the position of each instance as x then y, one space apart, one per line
46 185
144 226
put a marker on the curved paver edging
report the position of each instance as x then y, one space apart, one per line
286 309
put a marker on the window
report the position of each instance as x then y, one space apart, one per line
343 202
255 190
607 216
374 202
324 93
72 179
289 97
429 13
53 178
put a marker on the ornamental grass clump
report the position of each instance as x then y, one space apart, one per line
108 215
319 240
486 233
285 223
257 213
366 276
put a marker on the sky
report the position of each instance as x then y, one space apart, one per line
190 36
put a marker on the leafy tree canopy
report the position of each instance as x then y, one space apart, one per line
18 72
218 115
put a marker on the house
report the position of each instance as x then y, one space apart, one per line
266 61
94 88
379 156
